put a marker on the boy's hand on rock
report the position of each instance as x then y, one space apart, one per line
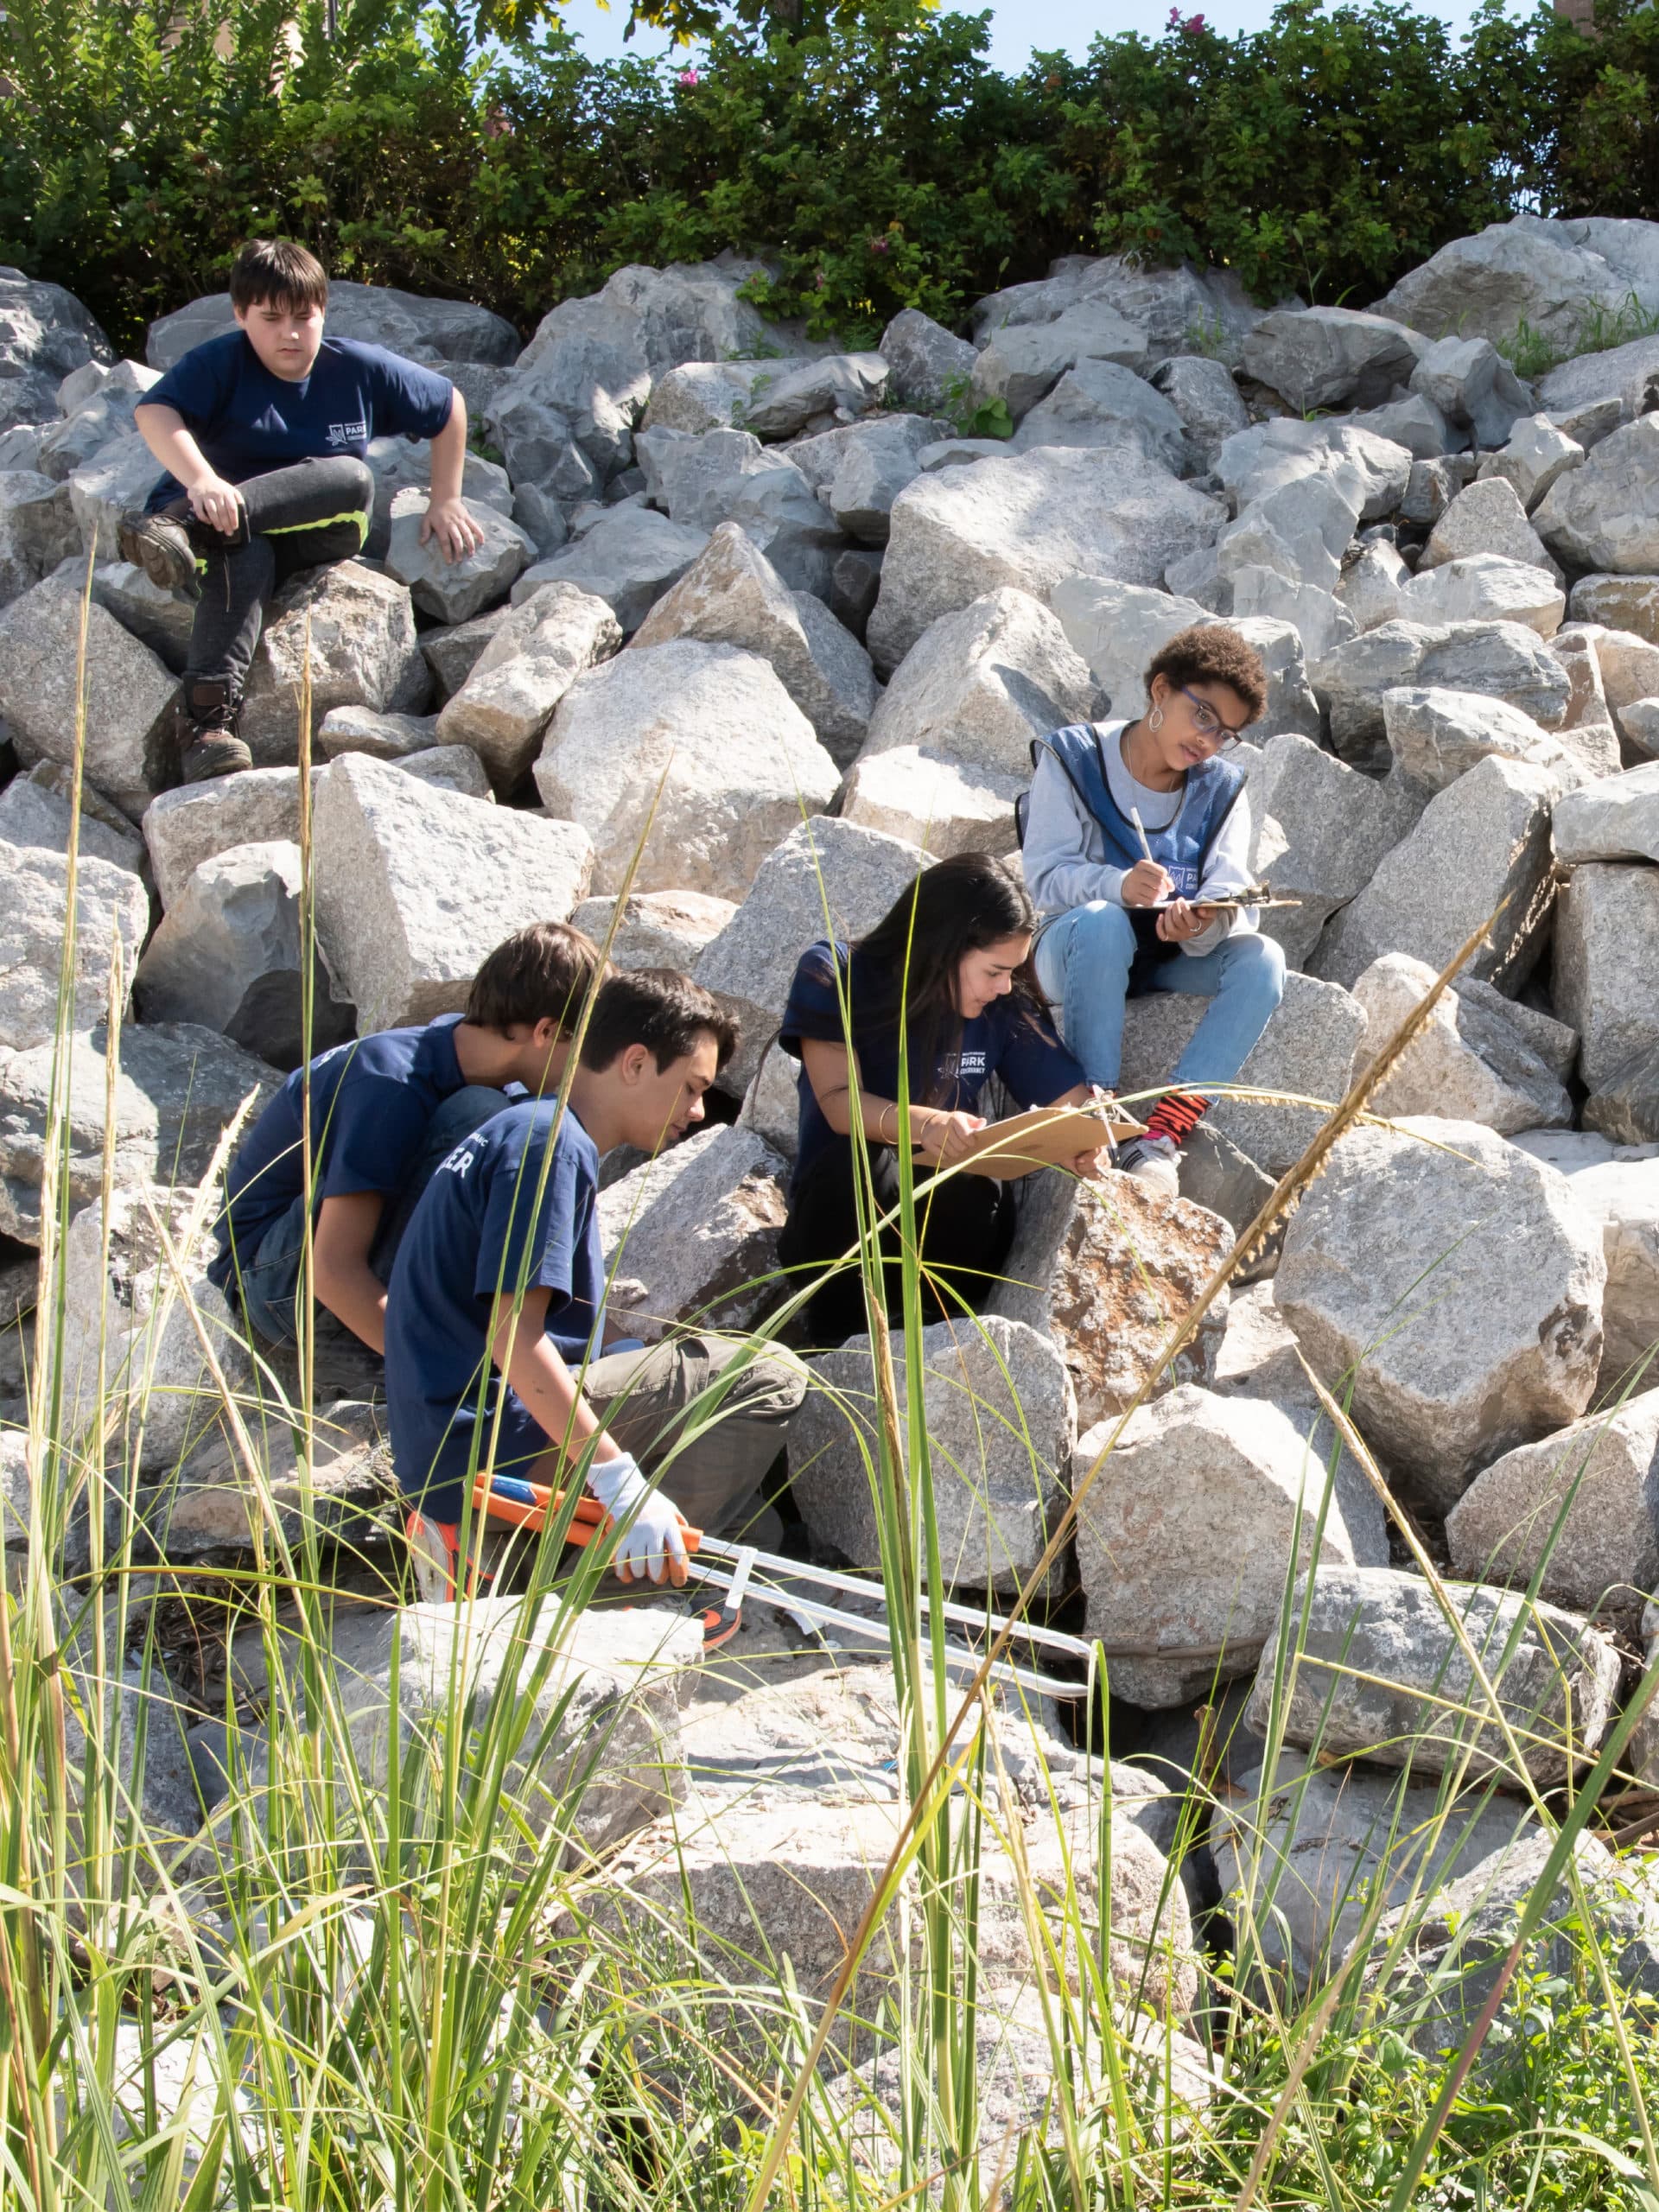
457 534
1145 884
216 503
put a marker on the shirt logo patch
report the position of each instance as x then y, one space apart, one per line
346 434
459 1161
966 1063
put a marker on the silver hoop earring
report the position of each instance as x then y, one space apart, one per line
1156 719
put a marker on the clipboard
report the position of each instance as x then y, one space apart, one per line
1253 896
1047 1136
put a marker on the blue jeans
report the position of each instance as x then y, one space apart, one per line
1083 965
270 1279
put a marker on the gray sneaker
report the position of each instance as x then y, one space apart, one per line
160 545
1154 1161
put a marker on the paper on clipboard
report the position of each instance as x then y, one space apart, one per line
1048 1136
1253 895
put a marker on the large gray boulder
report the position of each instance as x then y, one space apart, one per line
1468 380
1499 660
1117 628
1618 1185
1306 1050
1106 1270
184 828
228 954
111 917
1510 273
628 557
1252 462
981 683
1102 403
35 810
37 530
1535 455
1380 1673
1605 515
1029 521
1615 818
732 595
1606 938
1300 531
1001 1425
1173 305
414 887
856 874
929 368
685 764
656 929
729 476
690 1239
934 801
157 617
375 315
403 484
455 591
1578 1511
1437 735
1485 587
1188 1535
1591 395
1022 363
1486 517
788 399
1331 356
130 749
358 628
1318 832
120 475
1457 1285
872 463
1210 405
1627 603
177 1088
530 661
1479 1058
87 429
45 333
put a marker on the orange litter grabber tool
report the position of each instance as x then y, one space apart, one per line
779 1581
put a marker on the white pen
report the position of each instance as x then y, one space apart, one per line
1141 832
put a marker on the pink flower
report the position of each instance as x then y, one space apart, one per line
691 76
497 123
879 246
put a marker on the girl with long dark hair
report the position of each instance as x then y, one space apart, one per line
953 957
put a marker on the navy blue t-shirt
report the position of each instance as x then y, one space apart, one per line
1007 1041
371 1101
247 421
498 1212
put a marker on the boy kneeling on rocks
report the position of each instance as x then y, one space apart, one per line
511 1218
263 433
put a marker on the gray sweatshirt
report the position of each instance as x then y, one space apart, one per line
1064 853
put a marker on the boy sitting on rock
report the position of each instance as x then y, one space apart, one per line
512 1214
262 433
384 1111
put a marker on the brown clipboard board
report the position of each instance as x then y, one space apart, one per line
1047 1136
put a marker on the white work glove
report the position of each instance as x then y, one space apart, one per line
651 1531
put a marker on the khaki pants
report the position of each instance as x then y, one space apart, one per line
644 1399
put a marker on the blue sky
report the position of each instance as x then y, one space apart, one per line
1014 30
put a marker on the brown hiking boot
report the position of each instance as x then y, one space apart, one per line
208 743
160 545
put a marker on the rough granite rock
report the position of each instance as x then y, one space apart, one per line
1022 363
1618 1184
506 701
628 558
1209 403
1500 660
414 887
875 461
449 768
45 336
1281 450
729 476
934 801
657 929
1627 603
929 368
1602 1473
112 915
1318 832
1487 285
981 683
156 617
359 629
1484 588
35 810
691 1236
120 475
1306 1050
1588 728
1310 1852
130 749
1487 518
1331 356
1029 521
1606 941
403 479
359 729
1381 1673
455 591
1605 515
785 400
1486 838
1319 617
1473 386
1615 818
452 652
1476 1059
1436 735
1117 628
857 873
1536 453
1300 531
1461 1285
37 530
1106 1270
732 595
704 735
1102 403
1414 423
1186 1536
227 955
1000 1425
128 1326
184 828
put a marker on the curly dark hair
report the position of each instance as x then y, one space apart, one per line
1212 652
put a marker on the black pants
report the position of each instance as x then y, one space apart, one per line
965 1227
299 518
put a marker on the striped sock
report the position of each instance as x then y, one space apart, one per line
1176 1116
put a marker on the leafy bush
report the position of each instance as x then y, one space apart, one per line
876 158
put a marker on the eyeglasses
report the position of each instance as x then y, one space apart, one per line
1208 725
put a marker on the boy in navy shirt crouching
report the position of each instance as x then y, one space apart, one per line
385 1112
263 433
512 1215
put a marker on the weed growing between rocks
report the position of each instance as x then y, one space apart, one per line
477 1916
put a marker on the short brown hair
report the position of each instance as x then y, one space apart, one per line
657 1007
278 272
1212 652
544 973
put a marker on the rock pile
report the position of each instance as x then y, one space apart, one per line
758 613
